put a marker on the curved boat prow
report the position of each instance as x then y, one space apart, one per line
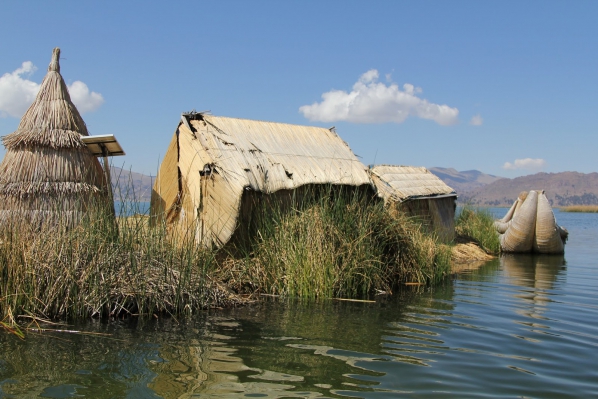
530 226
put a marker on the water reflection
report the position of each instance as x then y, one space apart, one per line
211 368
533 270
537 272
159 359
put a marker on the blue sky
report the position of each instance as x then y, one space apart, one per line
505 87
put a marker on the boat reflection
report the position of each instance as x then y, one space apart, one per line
533 270
538 274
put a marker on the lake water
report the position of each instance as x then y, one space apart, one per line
519 326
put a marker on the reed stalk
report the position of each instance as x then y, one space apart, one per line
101 269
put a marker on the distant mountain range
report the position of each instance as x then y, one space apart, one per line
472 186
131 186
562 189
464 181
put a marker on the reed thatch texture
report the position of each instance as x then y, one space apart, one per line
47 168
400 183
530 226
418 193
218 160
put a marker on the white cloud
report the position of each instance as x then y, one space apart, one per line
525 164
17 93
373 102
84 100
476 120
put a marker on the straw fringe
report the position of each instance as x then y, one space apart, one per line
23 190
44 165
43 137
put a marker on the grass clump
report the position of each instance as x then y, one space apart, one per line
580 208
323 246
336 246
96 270
477 224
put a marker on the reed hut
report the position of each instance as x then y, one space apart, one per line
217 170
420 194
48 171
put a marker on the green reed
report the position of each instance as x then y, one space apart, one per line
478 224
340 244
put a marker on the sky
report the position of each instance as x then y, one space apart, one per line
508 88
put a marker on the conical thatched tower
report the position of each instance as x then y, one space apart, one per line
47 171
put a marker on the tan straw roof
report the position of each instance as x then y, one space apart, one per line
400 183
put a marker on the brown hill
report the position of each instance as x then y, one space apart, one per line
464 181
472 186
562 189
131 186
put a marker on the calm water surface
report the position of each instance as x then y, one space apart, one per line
519 326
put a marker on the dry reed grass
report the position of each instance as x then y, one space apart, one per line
467 252
332 246
56 271
580 208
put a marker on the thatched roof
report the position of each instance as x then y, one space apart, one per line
47 165
222 159
401 183
269 156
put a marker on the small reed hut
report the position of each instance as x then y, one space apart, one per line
420 194
216 170
48 172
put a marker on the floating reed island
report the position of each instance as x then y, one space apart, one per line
239 208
